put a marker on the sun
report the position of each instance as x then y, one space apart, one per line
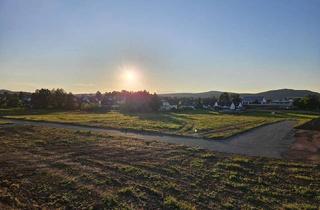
130 75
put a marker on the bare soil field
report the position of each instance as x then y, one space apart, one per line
58 168
307 142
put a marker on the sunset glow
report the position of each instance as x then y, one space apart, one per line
222 48
130 77
168 104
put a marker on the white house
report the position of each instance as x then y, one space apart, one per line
232 106
187 107
166 106
206 107
216 105
285 102
253 100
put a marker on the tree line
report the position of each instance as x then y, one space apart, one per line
309 102
225 99
8 100
40 99
140 101
53 99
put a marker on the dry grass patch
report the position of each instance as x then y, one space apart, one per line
57 168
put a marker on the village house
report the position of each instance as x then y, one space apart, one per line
247 100
283 102
240 106
166 106
216 105
232 106
187 107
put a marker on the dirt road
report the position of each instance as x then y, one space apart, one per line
267 141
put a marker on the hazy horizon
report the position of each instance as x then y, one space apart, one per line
162 46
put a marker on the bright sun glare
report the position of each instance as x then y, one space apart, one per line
130 76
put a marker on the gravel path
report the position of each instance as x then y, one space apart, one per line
266 141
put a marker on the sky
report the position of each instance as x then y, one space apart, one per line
162 46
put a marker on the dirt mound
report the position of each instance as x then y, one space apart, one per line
306 146
311 125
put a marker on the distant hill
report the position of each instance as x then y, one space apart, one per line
193 95
272 94
284 93
5 91
10 91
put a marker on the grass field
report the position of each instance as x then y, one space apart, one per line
300 116
12 111
206 123
2 122
51 168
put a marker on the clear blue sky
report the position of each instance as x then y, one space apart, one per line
173 46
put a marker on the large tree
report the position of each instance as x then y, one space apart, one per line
99 96
40 99
224 99
59 97
310 102
71 101
155 102
235 98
